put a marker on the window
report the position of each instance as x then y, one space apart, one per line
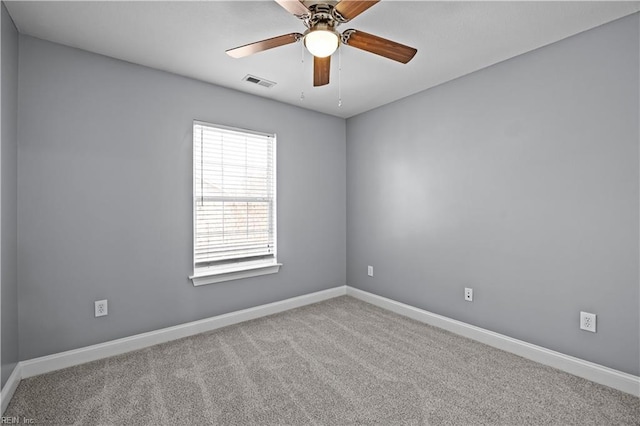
234 204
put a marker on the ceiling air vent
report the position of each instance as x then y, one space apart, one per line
259 81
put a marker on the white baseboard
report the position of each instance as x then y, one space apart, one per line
607 376
597 373
49 363
10 387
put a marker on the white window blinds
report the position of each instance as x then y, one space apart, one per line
233 196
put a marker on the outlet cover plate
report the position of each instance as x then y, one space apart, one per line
370 270
101 308
588 322
468 294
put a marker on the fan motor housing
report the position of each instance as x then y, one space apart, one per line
323 13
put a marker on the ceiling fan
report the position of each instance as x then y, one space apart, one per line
322 39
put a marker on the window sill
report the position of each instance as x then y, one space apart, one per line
235 272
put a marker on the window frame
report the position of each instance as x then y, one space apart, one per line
240 268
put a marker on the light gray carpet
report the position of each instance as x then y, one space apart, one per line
338 362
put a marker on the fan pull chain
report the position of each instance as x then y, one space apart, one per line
339 78
302 73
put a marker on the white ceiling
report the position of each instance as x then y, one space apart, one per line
190 38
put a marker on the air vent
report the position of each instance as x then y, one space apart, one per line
259 81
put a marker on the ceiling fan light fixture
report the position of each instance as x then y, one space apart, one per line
321 18
321 42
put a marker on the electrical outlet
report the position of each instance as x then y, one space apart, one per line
370 271
468 294
101 308
588 321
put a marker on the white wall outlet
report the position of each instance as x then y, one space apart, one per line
588 321
468 294
101 308
370 270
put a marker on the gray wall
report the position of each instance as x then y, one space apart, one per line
8 197
104 198
520 181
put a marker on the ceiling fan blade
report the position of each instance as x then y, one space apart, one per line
379 46
294 7
321 70
259 46
349 9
